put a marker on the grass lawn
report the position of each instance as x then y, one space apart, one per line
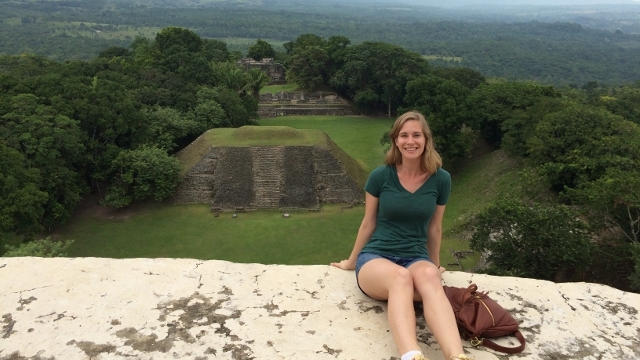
358 136
192 231
272 89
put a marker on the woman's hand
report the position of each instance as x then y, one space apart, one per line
344 265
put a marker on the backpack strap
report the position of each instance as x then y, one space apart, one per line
509 350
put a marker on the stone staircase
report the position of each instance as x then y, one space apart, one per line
268 178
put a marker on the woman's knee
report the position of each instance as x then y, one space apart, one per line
402 277
427 275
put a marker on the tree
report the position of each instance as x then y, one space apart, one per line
230 76
172 36
170 128
233 106
532 240
208 114
379 69
613 199
52 144
578 144
520 126
444 104
215 50
21 200
256 80
307 66
144 173
465 76
495 102
260 50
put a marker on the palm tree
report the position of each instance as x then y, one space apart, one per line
231 76
256 80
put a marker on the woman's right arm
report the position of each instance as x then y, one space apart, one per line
367 227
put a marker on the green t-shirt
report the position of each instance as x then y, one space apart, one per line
403 217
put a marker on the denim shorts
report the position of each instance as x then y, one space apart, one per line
405 262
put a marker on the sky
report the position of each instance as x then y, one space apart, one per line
449 3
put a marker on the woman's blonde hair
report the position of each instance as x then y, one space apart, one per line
431 160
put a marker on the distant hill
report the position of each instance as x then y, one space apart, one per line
551 45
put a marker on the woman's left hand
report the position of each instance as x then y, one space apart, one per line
344 265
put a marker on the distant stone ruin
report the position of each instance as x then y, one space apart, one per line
303 103
268 177
275 70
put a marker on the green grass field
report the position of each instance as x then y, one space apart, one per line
358 136
272 89
192 231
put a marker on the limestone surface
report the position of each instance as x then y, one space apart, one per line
93 308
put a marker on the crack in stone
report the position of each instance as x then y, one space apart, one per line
60 316
303 313
150 273
313 294
255 279
35 288
330 351
566 300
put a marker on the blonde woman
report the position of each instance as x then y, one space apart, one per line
396 255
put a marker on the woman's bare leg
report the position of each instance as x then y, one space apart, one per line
437 309
383 280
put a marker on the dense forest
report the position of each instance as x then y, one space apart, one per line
548 45
110 126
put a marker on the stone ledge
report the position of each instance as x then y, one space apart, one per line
94 308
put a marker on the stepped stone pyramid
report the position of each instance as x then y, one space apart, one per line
268 177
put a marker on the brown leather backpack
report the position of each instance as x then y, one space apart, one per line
479 317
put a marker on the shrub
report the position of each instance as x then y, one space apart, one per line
534 241
39 248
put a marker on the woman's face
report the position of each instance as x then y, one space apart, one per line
410 140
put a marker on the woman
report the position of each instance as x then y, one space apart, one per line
404 206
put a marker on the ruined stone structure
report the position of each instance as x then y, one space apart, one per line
99 309
303 103
270 177
275 70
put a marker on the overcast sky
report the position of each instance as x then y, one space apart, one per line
506 2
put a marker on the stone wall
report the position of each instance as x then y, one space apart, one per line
303 104
299 179
300 97
275 70
271 177
233 185
143 309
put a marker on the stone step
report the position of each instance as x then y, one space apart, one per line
268 176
